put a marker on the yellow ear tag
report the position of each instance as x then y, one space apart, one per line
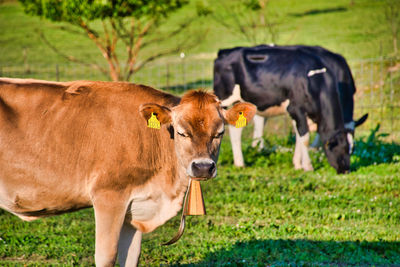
241 122
153 122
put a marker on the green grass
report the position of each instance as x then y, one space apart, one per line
264 214
356 31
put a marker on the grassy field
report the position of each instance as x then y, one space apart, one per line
265 214
356 31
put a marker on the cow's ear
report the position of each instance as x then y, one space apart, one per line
244 109
161 113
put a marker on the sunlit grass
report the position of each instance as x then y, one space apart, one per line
266 213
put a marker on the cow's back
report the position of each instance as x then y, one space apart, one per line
58 142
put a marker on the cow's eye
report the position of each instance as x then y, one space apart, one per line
183 134
219 135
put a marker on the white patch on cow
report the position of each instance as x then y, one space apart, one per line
236 142
313 72
271 44
350 125
235 97
285 104
297 151
301 158
258 131
152 205
351 142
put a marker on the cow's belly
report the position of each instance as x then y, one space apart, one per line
147 212
32 203
30 196
274 110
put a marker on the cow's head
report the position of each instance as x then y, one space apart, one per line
198 127
224 77
337 149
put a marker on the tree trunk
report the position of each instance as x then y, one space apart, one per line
114 75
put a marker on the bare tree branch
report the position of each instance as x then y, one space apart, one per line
234 25
129 47
67 29
98 41
94 37
137 45
130 25
255 25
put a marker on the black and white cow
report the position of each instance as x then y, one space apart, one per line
345 82
285 78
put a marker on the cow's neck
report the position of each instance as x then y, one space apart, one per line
331 118
161 198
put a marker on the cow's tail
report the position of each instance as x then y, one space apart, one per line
361 120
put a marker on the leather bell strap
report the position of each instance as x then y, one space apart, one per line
193 205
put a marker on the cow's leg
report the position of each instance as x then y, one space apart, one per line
297 149
305 157
236 142
109 213
129 246
301 151
302 137
259 123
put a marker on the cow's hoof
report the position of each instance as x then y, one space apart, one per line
308 168
298 167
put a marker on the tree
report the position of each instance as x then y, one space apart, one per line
250 19
110 23
392 16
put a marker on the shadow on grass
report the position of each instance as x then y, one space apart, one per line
373 150
319 11
302 252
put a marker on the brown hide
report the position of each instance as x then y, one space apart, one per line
62 142
67 146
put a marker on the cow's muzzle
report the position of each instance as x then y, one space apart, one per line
343 171
202 169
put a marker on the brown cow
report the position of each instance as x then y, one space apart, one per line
68 146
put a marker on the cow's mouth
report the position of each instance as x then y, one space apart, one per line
343 171
201 178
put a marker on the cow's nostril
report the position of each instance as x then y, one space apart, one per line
203 169
211 169
195 167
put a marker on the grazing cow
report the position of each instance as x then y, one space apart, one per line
346 88
345 82
68 146
286 79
